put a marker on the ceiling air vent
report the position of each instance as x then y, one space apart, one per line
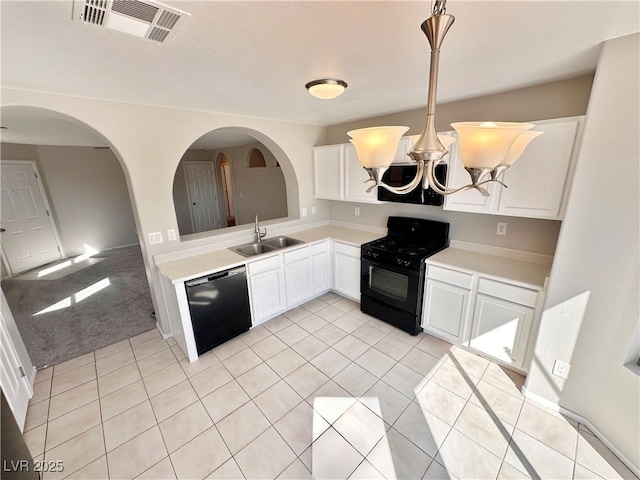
145 19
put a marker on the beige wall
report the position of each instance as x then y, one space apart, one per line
591 312
87 192
261 191
559 99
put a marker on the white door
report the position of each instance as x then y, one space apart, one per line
346 271
203 195
16 370
29 238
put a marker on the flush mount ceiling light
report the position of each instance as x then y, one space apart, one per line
486 149
327 88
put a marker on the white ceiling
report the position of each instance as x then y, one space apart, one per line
254 57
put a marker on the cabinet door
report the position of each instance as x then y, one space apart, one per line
327 170
346 275
537 181
267 295
500 329
298 282
401 154
445 310
467 200
355 190
321 270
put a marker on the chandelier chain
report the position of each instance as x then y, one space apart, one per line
439 7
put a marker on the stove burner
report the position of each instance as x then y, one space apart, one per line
413 251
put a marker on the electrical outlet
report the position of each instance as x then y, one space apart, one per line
171 235
502 229
561 369
304 212
357 211
313 210
155 237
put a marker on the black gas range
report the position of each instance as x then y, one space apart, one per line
393 270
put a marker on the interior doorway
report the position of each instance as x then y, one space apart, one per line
227 189
29 235
203 195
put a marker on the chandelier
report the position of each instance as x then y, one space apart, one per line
486 149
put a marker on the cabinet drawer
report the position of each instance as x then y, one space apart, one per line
452 277
319 248
299 254
511 293
264 265
345 249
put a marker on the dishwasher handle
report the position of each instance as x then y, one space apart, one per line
215 276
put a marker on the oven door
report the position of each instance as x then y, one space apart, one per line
391 286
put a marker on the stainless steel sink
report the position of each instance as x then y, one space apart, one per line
253 248
282 241
268 245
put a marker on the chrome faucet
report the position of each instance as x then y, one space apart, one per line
259 235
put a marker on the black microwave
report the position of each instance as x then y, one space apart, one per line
399 175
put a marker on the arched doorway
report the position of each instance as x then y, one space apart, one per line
98 293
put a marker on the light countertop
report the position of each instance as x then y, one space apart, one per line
211 262
527 274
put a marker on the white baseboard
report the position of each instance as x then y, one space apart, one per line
584 421
164 335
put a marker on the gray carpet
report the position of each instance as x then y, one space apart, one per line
75 324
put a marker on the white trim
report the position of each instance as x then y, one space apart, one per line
34 166
164 335
584 421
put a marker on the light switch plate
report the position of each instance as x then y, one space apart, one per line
171 235
357 211
304 212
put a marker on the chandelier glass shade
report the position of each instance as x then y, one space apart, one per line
486 149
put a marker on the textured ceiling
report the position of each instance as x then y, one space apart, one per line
254 57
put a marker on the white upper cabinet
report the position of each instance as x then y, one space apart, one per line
338 174
328 172
538 184
539 181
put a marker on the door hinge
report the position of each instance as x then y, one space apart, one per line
35 174
22 371
58 248
48 214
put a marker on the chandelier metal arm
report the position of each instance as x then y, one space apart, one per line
375 176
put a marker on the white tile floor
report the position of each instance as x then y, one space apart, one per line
323 390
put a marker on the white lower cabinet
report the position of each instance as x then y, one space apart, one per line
445 310
266 289
321 267
490 316
286 280
346 270
298 279
500 328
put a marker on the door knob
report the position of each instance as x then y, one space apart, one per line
2 230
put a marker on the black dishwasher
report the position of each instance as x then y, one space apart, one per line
219 306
